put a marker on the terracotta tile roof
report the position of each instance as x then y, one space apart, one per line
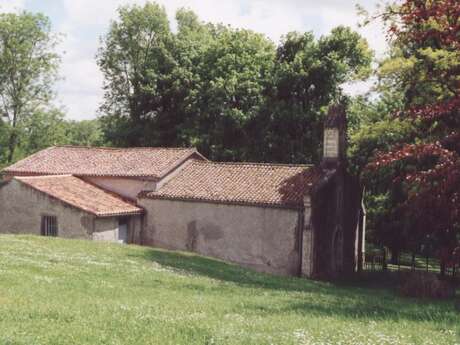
240 183
80 194
102 161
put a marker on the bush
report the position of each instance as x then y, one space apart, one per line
425 285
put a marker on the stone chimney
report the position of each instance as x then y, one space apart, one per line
335 137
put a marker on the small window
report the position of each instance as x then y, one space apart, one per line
49 226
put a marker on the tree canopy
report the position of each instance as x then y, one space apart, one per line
421 168
28 67
232 93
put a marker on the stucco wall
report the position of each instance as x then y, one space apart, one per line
135 230
21 210
265 239
106 229
131 187
126 187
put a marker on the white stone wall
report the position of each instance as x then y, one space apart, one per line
262 238
308 238
126 187
106 229
21 210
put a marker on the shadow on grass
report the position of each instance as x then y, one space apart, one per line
226 272
357 299
368 310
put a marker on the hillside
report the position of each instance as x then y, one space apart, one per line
55 291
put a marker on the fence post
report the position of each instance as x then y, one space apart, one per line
384 263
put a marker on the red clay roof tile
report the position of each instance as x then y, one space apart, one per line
240 183
148 162
80 194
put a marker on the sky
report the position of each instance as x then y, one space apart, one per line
83 22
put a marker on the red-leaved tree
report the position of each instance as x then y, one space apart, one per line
427 33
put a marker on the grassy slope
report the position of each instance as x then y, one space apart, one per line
55 291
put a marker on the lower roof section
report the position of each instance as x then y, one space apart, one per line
254 184
80 194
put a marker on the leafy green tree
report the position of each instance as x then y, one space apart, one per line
420 170
3 142
135 59
84 133
43 129
229 71
28 67
232 93
307 77
40 130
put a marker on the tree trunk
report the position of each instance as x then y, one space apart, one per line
361 234
11 146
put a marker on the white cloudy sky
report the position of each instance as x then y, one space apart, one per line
84 21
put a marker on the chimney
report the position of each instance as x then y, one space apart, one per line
335 137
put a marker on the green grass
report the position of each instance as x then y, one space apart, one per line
55 291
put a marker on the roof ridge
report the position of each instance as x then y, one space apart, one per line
42 176
122 148
258 164
139 162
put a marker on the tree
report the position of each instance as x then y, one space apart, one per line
43 129
229 92
40 130
85 132
3 142
228 71
373 128
28 67
135 59
307 77
427 164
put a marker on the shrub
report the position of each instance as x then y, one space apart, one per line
425 285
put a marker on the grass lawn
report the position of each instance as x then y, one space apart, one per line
55 291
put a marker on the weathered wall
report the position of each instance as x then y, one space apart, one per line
265 239
308 240
334 221
324 221
131 187
126 187
135 230
21 209
106 229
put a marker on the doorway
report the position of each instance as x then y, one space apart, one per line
123 223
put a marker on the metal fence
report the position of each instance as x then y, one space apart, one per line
408 262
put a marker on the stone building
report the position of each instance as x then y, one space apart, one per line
297 220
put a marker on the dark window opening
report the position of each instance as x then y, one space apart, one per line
49 226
